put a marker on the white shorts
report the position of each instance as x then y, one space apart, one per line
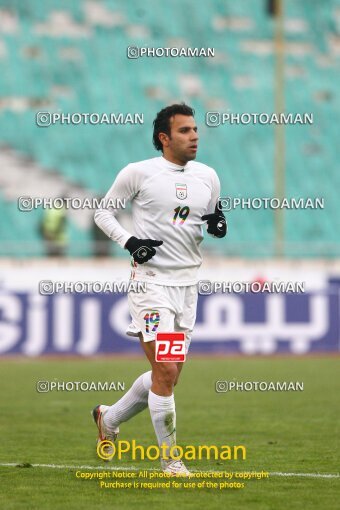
163 309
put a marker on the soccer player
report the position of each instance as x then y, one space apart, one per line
172 196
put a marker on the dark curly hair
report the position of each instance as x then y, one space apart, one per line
161 124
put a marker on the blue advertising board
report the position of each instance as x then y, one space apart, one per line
244 323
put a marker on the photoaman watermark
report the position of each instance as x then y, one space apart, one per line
107 450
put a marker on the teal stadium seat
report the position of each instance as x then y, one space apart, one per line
93 74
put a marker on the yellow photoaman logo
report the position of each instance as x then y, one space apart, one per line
106 450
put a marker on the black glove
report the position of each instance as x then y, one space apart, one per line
141 250
217 224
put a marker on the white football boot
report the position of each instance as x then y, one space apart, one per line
174 467
98 414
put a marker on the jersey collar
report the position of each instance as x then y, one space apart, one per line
172 166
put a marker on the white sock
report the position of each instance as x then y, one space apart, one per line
163 416
132 403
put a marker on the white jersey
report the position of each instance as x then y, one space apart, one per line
168 201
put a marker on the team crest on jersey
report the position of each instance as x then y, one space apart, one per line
181 191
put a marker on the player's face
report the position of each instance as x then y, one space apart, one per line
182 144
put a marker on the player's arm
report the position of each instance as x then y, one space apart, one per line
126 186
216 221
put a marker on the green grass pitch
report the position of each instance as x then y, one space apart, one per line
287 432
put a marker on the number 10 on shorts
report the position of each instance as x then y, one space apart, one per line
170 347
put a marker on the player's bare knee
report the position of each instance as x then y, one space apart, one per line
165 373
